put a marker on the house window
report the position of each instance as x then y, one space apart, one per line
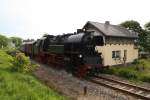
116 54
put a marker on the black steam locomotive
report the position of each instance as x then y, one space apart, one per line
74 52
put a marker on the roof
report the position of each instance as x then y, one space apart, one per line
112 30
31 42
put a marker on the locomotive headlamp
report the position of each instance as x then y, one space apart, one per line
80 56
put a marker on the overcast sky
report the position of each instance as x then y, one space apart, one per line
31 18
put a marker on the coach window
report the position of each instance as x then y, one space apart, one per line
116 54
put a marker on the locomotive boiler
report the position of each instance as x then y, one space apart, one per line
74 52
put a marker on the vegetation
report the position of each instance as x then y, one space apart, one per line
11 51
142 33
20 86
6 42
138 71
3 41
147 26
21 63
17 41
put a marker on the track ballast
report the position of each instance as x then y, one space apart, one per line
137 91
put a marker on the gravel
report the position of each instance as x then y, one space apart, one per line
66 84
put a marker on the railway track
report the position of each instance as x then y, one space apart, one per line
137 91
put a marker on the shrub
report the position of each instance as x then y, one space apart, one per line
21 63
136 61
139 64
127 74
12 52
108 71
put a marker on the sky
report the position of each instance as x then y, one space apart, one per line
32 18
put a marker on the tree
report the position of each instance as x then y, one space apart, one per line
142 40
148 42
147 29
16 40
132 25
147 26
135 26
3 41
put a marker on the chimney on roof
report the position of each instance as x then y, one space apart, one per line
107 22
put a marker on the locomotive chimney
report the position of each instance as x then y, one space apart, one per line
107 22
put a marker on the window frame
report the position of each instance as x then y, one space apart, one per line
116 54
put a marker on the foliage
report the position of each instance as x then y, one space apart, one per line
11 51
142 40
148 42
5 58
6 42
16 40
3 41
138 71
135 26
146 62
127 73
19 86
145 77
147 26
132 25
139 64
147 29
21 63
136 61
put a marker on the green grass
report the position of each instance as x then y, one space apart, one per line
18 86
132 72
146 62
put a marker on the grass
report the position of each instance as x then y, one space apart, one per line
18 86
136 73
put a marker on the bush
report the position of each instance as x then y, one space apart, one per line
139 64
12 52
21 63
136 61
108 71
127 74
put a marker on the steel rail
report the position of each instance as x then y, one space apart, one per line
108 83
125 83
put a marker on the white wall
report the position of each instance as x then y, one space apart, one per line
107 49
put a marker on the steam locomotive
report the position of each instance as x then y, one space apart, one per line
74 52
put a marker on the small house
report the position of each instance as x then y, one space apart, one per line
119 43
